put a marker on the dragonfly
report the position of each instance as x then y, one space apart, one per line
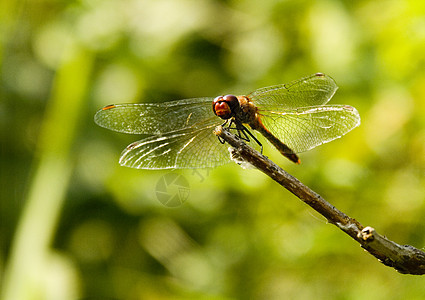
294 117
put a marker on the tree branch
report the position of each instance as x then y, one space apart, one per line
405 259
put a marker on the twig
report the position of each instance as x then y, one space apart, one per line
405 259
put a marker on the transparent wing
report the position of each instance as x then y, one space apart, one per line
313 90
155 118
185 149
305 128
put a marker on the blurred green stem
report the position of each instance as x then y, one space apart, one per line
53 167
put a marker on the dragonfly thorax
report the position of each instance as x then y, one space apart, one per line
225 107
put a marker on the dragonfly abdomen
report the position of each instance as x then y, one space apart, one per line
279 145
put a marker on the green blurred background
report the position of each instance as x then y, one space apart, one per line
76 225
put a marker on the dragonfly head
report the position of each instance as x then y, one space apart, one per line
225 106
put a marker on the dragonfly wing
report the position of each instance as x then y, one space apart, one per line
185 149
305 128
155 118
313 90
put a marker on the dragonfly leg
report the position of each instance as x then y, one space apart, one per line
229 127
242 132
219 138
246 131
240 129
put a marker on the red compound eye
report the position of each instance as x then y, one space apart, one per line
232 100
223 106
